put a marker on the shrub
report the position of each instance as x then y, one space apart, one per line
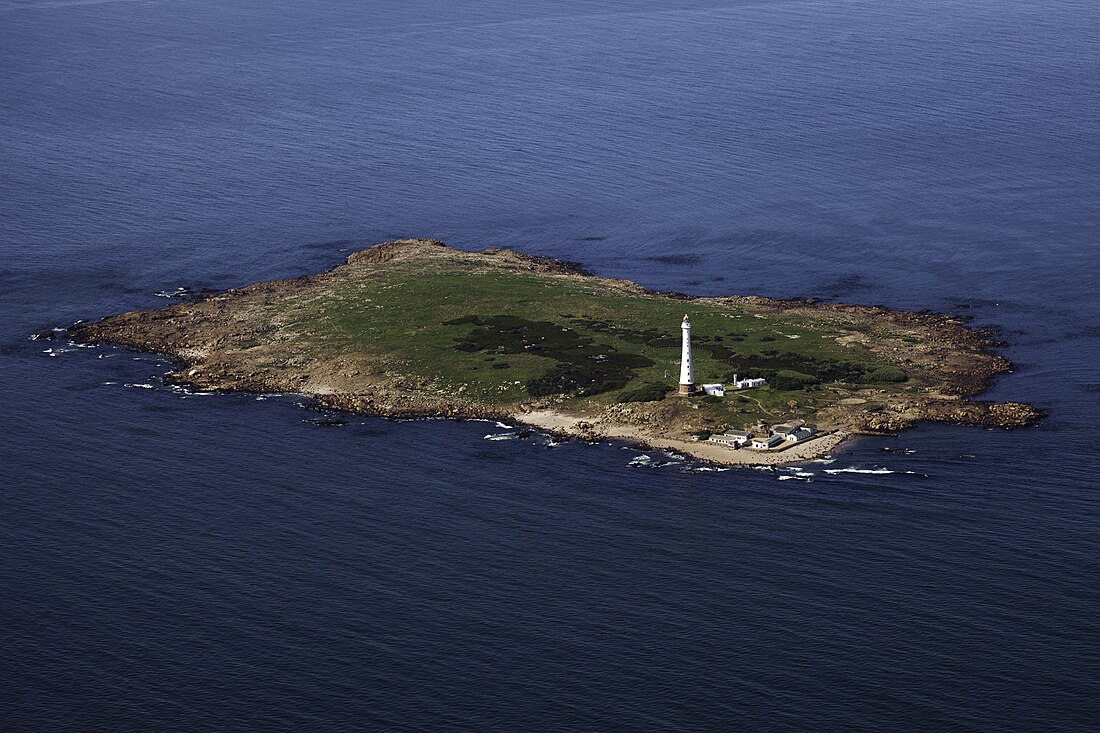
785 379
887 374
649 392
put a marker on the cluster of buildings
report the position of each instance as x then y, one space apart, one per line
776 436
719 390
769 438
687 371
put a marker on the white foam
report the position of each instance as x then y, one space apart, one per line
500 436
497 423
140 386
874 471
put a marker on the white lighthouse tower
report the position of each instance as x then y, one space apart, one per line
687 375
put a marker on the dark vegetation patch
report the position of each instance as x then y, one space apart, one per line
787 380
633 336
648 392
584 366
800 371
886 374
661 339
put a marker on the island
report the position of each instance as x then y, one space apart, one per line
414 328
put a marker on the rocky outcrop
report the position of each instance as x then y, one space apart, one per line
387 251
898 417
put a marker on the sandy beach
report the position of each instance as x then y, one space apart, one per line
578 426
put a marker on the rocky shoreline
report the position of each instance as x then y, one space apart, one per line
206 334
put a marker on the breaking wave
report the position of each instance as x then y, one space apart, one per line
873 471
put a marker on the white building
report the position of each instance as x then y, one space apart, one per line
718 390
800 434
747 383
731 438
765 442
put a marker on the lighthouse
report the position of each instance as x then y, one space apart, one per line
687 375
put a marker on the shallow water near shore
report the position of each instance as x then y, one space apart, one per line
179 561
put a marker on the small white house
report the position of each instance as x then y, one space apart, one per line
731 438
748 383
765 442
718 390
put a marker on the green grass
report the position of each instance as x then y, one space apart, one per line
500 335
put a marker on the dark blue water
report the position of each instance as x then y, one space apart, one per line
177 562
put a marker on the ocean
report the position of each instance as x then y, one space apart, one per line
183 562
